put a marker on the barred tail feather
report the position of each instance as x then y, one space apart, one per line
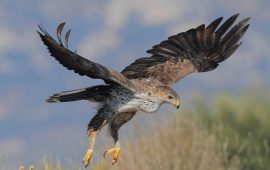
67 96
90 93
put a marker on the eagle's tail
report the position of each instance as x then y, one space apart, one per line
95 94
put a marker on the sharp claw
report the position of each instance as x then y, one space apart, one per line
114 161
104 154
86 165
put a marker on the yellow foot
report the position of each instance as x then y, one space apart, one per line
115 152
87 158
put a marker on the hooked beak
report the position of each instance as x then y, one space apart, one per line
177 103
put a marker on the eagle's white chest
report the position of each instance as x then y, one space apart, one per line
138 104
124 102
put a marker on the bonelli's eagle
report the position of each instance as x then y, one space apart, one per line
145 84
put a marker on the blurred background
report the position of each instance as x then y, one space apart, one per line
224 116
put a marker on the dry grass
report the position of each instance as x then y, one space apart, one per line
177 145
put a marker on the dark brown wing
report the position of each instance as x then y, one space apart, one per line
78 64
196 50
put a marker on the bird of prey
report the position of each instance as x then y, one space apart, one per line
145 84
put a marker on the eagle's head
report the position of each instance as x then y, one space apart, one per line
168 95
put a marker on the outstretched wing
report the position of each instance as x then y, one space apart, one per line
78 64
199 49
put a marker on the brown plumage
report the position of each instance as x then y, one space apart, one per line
199 49
145 84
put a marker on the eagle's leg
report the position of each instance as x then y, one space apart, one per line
114 126
94 126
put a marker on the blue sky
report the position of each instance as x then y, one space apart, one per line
113 33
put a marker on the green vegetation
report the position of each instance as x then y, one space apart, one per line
240 122
229 132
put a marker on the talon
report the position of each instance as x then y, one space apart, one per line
115 152
87 157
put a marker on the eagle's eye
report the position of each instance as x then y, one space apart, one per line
170 97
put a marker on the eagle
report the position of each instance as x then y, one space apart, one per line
145 84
